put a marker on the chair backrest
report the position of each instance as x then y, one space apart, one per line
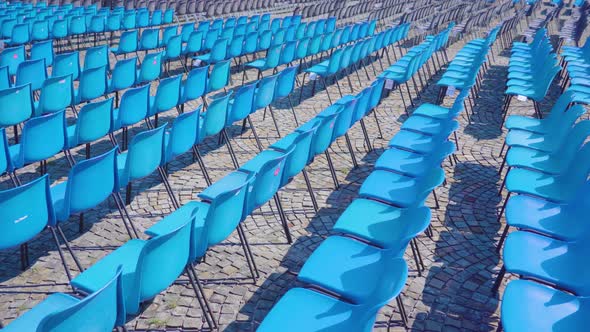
227 208
163 259
266 182
242 104
12 57
128 42
42 138
186 30
236 46
265 92
43 50
264 40
17 105
66 64
134 106
219 50
219 77
300 148
90 182
324 134
183 134
214 118
167 95
97 56
103 310
194 43
195 85
145 153
286 82
273 57
26 211
344 121
149 40
93 84
56 95
124 74
168 33
94 121
151 67
210 38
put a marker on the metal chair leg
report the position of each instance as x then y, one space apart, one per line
197 155
197 294
310 191
351 150
274 120
332 170
499 280
283 218
248 254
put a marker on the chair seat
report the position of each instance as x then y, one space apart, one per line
97 275
433 111
412 141
527 139
29 321
302 309
526 123
547 259
426 125
392 188
404 162
353 269
204 57
555 220
228 182
380 224
546 310
58 193
537 160
319 69
258 64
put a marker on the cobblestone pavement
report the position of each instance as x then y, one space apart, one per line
452 294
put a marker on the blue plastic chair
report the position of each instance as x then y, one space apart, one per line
20 35
220 76
43 50
32 149
134 107
66 64
149 40
173 51
213 121
285 86
123 76
100 311
127 43
144 156
57 93
93 84
17 106
218 52
12 57
195 85
150 69
271 61
94 122
167 96
97 56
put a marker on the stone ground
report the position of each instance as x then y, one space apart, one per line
453 294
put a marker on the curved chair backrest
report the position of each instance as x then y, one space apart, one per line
32 71
324 134
195 85
300 154
167 95
94 121
214 118
210 38
219 50
273 57
124 74
12 57
219 77
266 182
134 106
43 50
17 105
362 106
145 153
265 92
264 40
26 211
149 40
194 43
183 134
278 38
97 56
93 84
335 61
186 30
173 47
151 67
100 311
302 48
250 42
163 260
286 82
377 92
56 95
236 46
90 182
66 64
344 121
4 78
42 138
127 42
226 210
242 104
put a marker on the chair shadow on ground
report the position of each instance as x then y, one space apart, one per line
458 284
